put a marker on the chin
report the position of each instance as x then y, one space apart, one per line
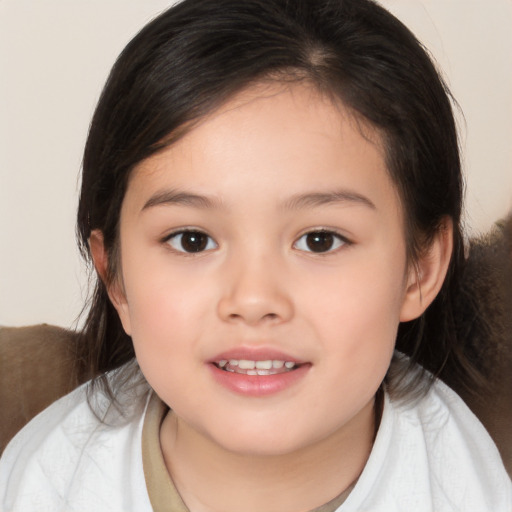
271 441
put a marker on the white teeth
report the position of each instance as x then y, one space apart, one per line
255 367
244 364
263 365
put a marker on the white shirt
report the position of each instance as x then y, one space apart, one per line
431 456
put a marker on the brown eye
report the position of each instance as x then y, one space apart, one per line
191 241
319 241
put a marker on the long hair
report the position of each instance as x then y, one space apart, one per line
189 60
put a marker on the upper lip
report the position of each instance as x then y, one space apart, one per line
255 354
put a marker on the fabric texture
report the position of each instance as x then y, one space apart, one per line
432 455
36 368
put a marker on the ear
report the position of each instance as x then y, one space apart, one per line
426 278
114 286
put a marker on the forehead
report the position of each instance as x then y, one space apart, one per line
272 137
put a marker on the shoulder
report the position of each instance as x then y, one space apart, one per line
462 459
430 455
68 458
452 435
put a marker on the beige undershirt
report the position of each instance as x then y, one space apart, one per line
163 495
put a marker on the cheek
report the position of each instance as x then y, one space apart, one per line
164 308
164 341
359 331
357 314
159 293
369 290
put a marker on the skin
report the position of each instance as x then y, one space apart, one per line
258 285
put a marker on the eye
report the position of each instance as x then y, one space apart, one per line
320 241
191 241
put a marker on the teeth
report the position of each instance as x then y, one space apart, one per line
263 365
255 367
244 364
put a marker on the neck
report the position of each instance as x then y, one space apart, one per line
211 479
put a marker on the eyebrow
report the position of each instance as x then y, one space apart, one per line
311 200
296 202
173 196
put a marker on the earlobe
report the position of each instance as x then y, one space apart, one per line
99 254
114 288
426 278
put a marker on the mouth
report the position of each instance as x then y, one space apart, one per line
257 372
256 367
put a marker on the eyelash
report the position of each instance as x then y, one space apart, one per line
176 234
335 238
206 242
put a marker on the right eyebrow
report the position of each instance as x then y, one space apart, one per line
316 199
180 197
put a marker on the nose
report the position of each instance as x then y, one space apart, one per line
255 292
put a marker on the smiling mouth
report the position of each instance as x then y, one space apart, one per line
249 367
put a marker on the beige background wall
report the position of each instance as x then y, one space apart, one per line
54 58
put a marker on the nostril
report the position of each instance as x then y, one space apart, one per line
252 317
254 308
267 316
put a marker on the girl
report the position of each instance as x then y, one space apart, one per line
271 197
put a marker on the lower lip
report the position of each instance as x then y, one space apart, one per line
258 385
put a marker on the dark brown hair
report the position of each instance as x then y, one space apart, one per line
196 55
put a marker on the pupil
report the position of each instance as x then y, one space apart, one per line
194 241
319 242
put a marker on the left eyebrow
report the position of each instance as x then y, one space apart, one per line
180 197
314 199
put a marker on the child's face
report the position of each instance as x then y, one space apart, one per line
271 166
